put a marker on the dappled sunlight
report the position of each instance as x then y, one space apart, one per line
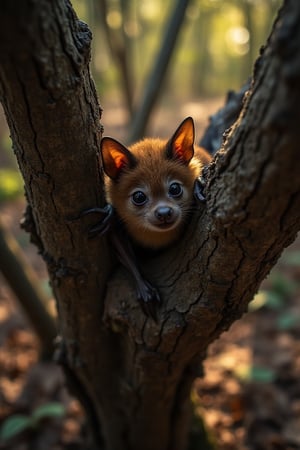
238 40
249 393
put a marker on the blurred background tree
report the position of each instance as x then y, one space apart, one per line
221 39
215 51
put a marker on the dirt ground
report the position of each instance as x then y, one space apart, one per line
250 394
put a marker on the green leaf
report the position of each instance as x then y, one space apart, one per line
270 299
262 374
11 184
14 425
249 373
282 285
243 371
287 321
53 409
274 300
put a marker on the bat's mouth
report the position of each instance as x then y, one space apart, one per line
164 226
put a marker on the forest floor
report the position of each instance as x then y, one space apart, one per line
249 396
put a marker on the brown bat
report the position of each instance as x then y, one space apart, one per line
150 189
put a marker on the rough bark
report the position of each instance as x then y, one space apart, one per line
135 375
53 114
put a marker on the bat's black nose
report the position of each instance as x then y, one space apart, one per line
164 214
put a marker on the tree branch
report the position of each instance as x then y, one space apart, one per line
136 373
24 283
157 75
252 211
118 46
51 106
252 214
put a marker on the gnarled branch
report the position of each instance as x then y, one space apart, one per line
134 374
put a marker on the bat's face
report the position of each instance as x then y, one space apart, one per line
150 184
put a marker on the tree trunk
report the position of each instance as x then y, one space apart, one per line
156 78
134 375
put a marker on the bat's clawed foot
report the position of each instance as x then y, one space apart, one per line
149 298
104 224
199 190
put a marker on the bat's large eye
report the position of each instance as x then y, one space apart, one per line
139 198
175 190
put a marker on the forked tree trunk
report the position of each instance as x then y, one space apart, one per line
134 375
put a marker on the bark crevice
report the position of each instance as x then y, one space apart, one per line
133 374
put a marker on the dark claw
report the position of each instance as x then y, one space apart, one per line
198 190
149 299
105 222
99 228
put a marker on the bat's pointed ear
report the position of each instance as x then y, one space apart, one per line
181 145
115 157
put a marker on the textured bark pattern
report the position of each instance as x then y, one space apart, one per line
252 214
53 113
134 375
